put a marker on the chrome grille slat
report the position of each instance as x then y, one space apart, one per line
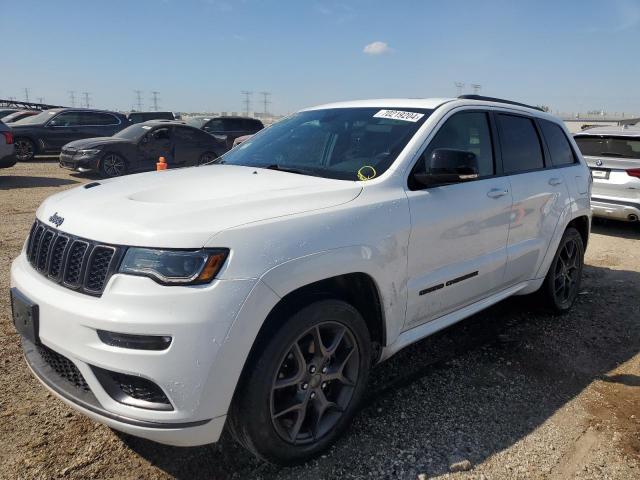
75 263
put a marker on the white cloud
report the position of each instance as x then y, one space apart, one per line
377 48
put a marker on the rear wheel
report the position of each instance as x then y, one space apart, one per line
303 388
25 149
562 283
112 165
206 158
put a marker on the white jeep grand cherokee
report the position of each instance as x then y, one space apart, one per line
258 291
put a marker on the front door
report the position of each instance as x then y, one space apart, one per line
155 144
457 247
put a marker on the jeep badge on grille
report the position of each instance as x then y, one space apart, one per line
56 219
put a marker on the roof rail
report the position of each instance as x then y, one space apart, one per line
497 100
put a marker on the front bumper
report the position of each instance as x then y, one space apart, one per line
197 318
78 163
617 209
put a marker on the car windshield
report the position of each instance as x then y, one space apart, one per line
599 146
340 143
197 122
36 119
134 132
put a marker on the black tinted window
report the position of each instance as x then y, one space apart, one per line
559 147
186 134
467 131
66 119
233 124
521 148
214 126
252 125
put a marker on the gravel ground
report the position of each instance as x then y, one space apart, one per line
509 393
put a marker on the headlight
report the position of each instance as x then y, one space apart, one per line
88 152
174 267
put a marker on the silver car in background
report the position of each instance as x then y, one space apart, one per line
613 155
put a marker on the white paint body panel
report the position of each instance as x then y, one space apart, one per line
285 231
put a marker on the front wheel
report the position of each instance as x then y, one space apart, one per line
112 165
301 391
562 283
25 149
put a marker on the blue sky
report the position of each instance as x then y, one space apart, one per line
199 54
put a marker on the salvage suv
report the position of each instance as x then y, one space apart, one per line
258 291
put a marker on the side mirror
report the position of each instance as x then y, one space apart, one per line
448 166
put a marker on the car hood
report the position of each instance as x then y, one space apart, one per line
92 142
183 208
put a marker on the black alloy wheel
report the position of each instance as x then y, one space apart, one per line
563 279
112 165
25 149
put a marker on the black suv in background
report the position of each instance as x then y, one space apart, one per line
139 117
226 129
48 131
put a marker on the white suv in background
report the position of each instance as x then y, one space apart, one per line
613 154
258 291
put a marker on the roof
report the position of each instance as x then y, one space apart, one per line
624 131
433 103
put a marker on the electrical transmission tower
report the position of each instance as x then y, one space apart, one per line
247 101
138 99
87 104
476 88
72 98
40 99
154 100
266 102
459 87
26 94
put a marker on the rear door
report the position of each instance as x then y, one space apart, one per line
540 194
187 149
457 248
99 124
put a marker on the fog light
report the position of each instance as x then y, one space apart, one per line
138 342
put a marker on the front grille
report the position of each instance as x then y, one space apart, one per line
74 262
64 367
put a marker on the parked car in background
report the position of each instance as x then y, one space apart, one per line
258 292
226 129
19 115
7 147
613 155
139 117
7 111
241 139
138 147
48 131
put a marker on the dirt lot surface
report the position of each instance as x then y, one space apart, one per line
509 393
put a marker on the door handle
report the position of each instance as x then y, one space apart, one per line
497 192
555 181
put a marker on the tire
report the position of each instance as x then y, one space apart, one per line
207 157
112 165
562 283
286 371
25 149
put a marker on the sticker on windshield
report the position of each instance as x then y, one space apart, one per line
399 115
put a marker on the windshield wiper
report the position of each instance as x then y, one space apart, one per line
283 168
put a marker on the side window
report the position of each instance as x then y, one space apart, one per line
105 119
252 125
559 147
233 124
466 131
185 135
66 119
521 149
161 134
214 126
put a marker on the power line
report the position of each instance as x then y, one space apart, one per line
72 98
154 100
87 104
138 99
247 101
266 101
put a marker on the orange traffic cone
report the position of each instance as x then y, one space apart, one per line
162 164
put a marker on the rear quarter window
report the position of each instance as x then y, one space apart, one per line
558 144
